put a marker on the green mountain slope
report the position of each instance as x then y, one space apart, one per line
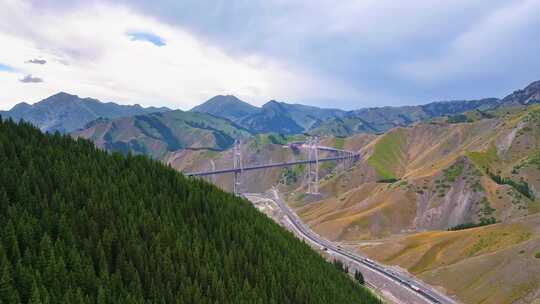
158 133
80 225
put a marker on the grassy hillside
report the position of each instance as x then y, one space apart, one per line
83 226
499 260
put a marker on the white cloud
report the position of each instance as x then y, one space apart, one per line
89 53
347 53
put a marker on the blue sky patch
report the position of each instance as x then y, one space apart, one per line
145 36
6 68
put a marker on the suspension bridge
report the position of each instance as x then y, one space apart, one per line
312 145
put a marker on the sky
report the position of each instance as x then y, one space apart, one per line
346 54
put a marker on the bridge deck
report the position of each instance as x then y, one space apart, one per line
265 166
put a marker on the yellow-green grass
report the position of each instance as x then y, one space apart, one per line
488 256
339 143
429 250
485 158
387 153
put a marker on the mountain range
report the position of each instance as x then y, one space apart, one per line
215 123
286 118
65 113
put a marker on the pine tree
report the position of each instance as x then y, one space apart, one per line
8 293
359 277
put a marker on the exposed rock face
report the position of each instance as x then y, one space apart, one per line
448 208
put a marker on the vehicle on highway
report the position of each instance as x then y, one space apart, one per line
414 287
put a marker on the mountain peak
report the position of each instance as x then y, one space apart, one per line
58 98
224 99
227 106
21 105
272 102
63 94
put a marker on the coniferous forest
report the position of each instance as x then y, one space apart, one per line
80 225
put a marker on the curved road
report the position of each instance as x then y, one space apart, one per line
404 289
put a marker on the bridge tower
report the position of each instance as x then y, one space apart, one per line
313 165
237 164
213 176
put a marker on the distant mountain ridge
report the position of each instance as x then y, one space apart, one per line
286 118
379 120
65 112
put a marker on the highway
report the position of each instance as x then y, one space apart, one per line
403 288
271 165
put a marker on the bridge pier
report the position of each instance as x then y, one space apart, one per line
313 165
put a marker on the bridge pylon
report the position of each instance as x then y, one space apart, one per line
213 176
237 164
313 165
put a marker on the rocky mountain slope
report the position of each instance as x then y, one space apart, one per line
65 112
448 174
157 134
413 184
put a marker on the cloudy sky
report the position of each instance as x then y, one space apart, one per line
347 54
